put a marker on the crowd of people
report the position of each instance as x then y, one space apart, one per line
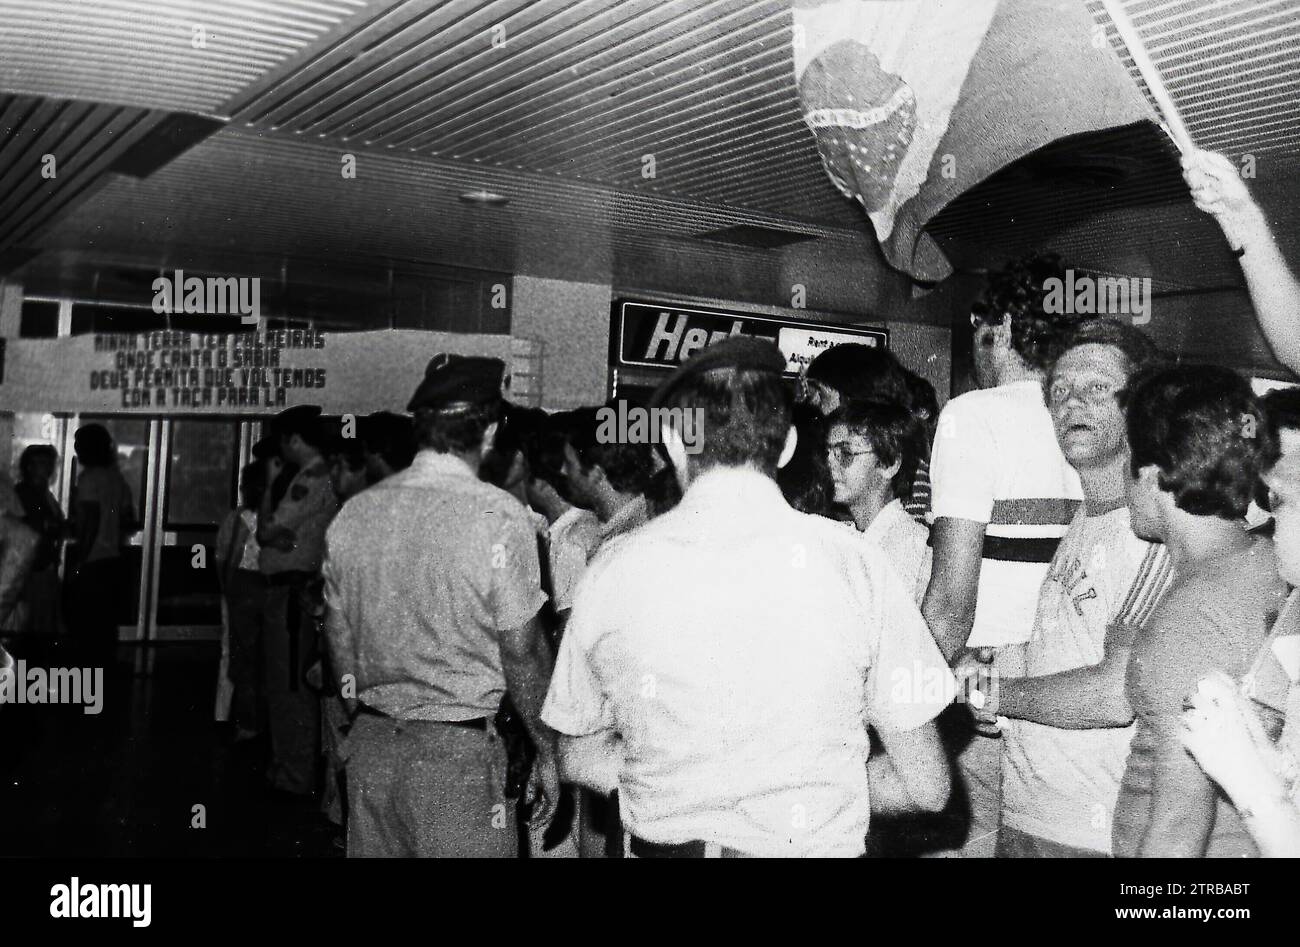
1056 618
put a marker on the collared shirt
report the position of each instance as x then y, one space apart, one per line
740 647
573 539
996 461
1058 784
904 542
424 571
306 508
632 515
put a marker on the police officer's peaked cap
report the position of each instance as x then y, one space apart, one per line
737 353
296 420
456 382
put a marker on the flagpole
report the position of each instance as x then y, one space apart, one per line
1172 123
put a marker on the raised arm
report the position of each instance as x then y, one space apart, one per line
1217 189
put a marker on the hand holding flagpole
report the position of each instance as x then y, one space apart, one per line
1172 120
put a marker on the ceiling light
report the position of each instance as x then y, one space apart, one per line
490 198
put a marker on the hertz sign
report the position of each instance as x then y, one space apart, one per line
656 336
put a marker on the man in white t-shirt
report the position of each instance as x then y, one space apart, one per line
694 678
1003 495
1065 751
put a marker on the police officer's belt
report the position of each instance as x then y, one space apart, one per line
696 849
477 723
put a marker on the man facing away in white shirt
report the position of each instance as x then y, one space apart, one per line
695 678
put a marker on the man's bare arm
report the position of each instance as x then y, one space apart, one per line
1218 189
912 775
593 761
949 605
1086 698
527 662
1183 799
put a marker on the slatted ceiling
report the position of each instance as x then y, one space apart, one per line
84 140
1231 66
141 52
581 90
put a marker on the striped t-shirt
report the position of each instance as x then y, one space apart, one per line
996 462
1060 784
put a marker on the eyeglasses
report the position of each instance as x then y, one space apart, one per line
842 454
1092 392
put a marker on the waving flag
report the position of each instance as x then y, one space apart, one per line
913 102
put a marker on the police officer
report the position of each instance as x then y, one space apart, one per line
433 587
291 533
719 659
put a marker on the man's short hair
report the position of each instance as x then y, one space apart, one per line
34 452
1203 428
545 451
460 431
93 446
862 372
628 467
1017 290
390 436
1135 345
745 416
892 432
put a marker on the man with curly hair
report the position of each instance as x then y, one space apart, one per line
1199 443
1003 495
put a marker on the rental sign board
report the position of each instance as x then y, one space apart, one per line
654 335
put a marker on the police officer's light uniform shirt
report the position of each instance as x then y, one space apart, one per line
738 646
996 461
1060 784
424 570
306 508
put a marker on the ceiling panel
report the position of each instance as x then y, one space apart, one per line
589 90
184 55
54 153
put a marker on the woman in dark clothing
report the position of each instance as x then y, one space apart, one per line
38 610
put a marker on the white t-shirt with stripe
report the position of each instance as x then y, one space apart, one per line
996 461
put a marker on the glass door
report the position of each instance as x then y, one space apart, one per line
198 481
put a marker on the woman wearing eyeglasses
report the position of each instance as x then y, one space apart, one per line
873 450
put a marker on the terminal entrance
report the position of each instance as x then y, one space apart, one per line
183 477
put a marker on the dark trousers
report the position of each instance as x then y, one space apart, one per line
94 606
293 710
246 606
